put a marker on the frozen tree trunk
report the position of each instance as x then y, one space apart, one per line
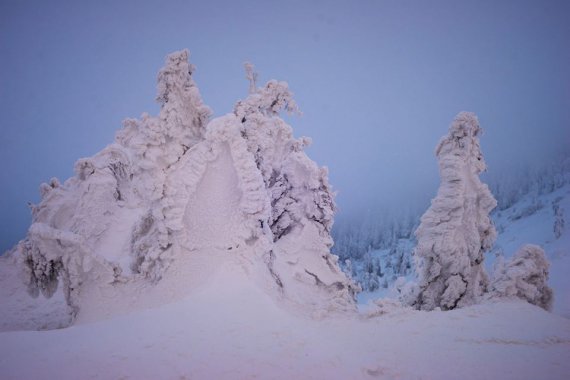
456 230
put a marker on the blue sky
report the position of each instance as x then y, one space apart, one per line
378 83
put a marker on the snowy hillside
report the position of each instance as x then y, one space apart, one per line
200 248
533 220
526 214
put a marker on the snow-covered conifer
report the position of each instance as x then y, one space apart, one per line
298 188
157 143
524 276
456 230
301 199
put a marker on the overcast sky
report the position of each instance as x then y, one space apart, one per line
378 83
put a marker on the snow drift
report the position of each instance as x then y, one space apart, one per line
176 185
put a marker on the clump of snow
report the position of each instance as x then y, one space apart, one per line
524 276
456 230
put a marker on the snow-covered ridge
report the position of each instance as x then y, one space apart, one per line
176 183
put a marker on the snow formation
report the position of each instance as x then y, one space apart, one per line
176 184
524 276
456 230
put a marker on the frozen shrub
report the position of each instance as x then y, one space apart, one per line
524 276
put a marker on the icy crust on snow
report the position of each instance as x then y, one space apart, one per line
175 184
456 230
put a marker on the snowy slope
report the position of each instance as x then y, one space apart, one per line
170 188
228 328
531 220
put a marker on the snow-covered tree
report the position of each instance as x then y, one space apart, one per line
301 199
156 143
298 188
69 223
456 230
137 206
524 276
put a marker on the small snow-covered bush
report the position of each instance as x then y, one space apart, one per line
525 276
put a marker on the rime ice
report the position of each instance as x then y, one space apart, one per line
456 230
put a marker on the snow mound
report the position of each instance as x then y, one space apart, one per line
177 185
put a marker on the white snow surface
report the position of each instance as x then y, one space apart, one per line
228 328
177 184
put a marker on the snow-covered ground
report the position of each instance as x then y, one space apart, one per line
229 328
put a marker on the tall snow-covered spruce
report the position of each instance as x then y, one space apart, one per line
456 230
180 185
